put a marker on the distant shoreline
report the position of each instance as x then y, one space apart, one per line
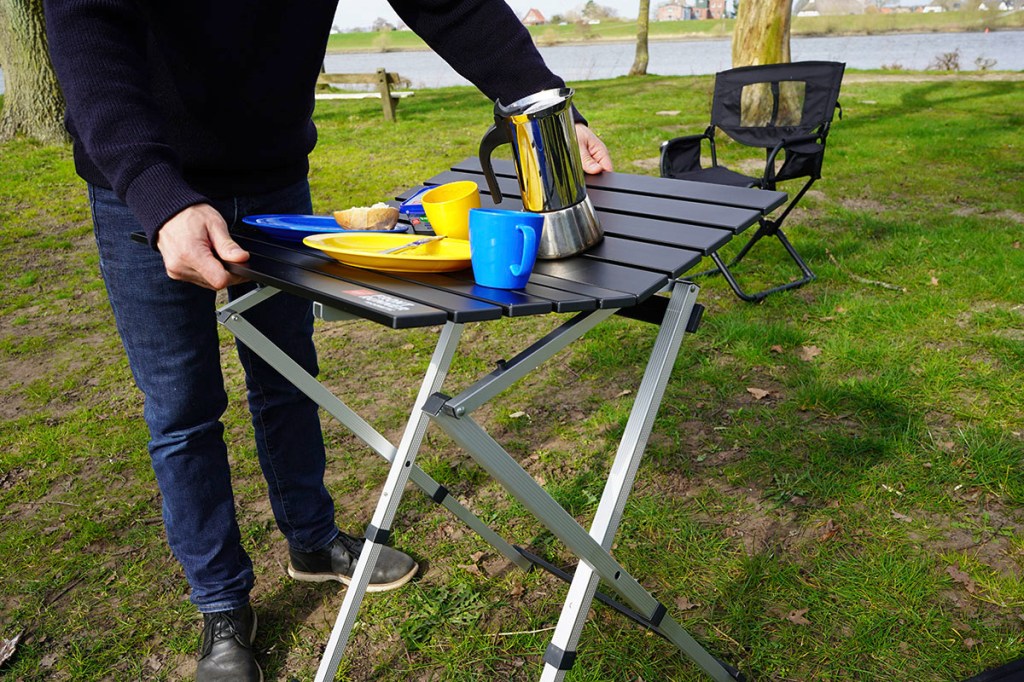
625 32
681 37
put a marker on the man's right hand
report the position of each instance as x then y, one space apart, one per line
191 243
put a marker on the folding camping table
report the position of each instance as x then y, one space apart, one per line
655 230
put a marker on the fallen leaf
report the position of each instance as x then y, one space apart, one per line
471 568
829 531
840 309
1016 244
7 647
901 517
758 393
477 556
517 590
962 578
684 604
934 281
970 643
408 346
47 661
776 348
808 353
946 445
622 393
796 617
517 415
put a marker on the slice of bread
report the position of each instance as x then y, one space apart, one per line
380 216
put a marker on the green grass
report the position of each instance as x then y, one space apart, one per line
861 522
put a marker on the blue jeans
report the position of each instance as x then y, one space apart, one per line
169 330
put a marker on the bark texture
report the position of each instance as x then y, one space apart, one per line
761 36
33 103
761 33
639 67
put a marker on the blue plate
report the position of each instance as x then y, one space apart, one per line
294 228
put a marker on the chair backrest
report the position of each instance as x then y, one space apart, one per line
762 105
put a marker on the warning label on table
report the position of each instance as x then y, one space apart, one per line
384 302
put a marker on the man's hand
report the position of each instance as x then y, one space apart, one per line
594 154
192 241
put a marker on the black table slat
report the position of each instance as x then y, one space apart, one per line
639 283
690 211
459 308
563 301
603 298
514 303
705 239
375 306
709 215
740 197
657 258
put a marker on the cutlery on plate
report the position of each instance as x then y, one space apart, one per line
413 244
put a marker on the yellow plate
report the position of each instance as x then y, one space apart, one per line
363 251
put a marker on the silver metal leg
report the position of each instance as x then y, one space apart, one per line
231 318
452 415
592 549
613 501
387 505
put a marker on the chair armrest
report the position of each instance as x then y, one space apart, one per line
683 154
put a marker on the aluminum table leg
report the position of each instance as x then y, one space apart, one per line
230 316
387 505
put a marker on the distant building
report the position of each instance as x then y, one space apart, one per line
671 11
822 8
534 18
674 10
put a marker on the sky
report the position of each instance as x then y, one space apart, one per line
362 13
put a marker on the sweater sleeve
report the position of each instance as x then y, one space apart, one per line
483 41
98 49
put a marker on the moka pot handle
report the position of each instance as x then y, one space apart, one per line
495 136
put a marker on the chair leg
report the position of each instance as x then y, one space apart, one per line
808 275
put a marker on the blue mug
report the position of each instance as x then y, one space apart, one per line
503 246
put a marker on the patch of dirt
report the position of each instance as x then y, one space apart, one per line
863 205
653 164
1015 216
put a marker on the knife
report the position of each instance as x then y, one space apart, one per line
414 244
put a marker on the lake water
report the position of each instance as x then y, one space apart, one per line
700 57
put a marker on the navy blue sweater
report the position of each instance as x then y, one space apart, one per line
174 103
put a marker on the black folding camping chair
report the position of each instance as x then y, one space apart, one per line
785 109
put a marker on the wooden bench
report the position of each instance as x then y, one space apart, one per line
382 79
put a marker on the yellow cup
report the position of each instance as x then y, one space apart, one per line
447 207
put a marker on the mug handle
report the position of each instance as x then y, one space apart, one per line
529 256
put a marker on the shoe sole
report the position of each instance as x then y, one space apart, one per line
252 638
345 580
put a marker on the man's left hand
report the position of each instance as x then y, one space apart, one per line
593 153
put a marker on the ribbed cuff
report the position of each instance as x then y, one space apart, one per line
156 195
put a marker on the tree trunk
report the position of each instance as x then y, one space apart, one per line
761 36
33 103
642 24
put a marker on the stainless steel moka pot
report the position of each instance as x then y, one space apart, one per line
548 165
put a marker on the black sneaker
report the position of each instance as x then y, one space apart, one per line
337 561
227 654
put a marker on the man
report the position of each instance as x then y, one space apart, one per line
186 117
